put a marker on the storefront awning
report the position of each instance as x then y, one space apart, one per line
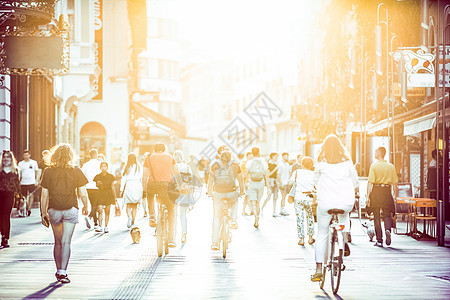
418 125
156 117
372 128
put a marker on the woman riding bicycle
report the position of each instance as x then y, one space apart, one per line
336 181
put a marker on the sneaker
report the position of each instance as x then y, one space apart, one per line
88 222
129 222
152 221
98 228
256 222
145 214
183 238
349 237
172 244
283 212
388 237
275 215
106 230
316 277
62 278
301 242
215 246
28 213
311 240
346 249
378 244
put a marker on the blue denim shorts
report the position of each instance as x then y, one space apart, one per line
59 216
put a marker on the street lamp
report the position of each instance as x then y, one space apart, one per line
403 89
379 53
353 72
365 115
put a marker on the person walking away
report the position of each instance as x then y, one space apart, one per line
131 187
382 180
297 163
144 191
257 174
195 171
159 169
186 199
304 182
91 168
106 195
29 174
224 174
9 188
249 156
272 188
284 172
61 183
336 181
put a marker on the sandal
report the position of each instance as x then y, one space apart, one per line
316 277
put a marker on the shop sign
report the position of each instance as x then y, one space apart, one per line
98 35
419 67
447 66
413 92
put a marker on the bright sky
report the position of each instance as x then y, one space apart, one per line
238 28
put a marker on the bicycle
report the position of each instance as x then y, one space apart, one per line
225 224
162 230
335 251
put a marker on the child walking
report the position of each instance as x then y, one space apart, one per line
106 195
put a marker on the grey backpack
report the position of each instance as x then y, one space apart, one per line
224 180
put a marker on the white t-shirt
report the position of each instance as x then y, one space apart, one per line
28 172
253 165
304 181
90 169
284 170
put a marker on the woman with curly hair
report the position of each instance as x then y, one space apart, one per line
9 187
62 183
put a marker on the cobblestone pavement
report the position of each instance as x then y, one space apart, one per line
264 263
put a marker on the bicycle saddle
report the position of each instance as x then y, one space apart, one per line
336 211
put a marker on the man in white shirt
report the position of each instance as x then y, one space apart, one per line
28 172
284 172
91 168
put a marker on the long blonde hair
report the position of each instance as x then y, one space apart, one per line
13 161
332 151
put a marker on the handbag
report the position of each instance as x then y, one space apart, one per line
117 211
292 191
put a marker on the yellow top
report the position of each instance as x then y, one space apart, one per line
382 172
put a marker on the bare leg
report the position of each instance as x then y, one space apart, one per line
100 215
68 229
57 249
318 267
107 212
129 208
133 213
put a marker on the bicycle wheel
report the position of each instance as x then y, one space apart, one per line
166 235
159 237
335 263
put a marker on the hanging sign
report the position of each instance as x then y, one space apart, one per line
98 34
447 66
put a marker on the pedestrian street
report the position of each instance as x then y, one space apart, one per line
264 263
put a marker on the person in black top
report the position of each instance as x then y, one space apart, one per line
106 194
61 184
9 187
272 188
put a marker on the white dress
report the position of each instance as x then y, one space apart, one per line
132 183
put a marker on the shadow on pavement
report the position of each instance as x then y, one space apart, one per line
45 292
327 296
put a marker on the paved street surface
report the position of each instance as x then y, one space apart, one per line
264 263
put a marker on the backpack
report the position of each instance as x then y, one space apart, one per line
224 181
257 174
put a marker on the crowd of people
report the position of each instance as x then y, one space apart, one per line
167 178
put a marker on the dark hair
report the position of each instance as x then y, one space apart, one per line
434 153
225 156
255 151
26 151
160 147
332 151
62 156
131 160
273 154
382 151
93 153
284 153
104 163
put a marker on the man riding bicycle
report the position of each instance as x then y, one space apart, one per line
159 169
224 174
